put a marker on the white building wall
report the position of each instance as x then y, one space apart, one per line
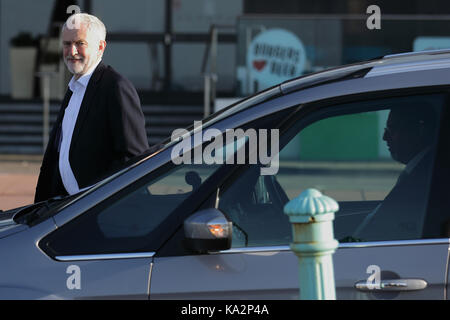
16 16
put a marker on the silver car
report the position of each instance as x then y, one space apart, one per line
201 217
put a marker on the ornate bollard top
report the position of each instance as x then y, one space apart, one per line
311 206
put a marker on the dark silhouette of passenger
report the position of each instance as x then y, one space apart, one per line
409 135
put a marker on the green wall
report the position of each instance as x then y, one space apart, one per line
349 137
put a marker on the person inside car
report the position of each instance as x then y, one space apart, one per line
409 135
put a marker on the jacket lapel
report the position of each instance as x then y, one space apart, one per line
55 134
87 101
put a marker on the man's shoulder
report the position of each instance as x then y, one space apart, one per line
112 77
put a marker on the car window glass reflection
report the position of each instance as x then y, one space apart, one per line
127 224
376 161
138 213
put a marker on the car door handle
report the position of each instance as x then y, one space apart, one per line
392 285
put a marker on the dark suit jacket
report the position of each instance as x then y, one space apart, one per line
401 215
110 129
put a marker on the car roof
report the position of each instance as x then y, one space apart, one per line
390 64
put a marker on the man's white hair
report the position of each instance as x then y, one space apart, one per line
91 22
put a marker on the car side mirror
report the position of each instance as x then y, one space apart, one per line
207 230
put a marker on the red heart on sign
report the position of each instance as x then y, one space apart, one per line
259 64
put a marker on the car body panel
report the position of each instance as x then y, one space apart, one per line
240 275
358 86
397 260
9 227
34 275
272 273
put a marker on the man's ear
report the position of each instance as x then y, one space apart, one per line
102 46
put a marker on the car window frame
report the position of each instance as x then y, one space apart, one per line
317 110
441 163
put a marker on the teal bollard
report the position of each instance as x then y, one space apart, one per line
311 215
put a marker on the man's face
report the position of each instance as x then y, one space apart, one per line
81 49
403 139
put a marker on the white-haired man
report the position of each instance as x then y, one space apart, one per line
100 125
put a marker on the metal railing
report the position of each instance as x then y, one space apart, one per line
210 76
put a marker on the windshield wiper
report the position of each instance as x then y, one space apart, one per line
39 211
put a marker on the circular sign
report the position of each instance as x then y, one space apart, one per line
275 55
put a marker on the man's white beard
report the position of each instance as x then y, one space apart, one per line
76 68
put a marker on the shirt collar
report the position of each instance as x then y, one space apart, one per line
84 79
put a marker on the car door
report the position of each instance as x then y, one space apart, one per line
393 241
107 252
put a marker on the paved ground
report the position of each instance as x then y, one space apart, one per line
18 177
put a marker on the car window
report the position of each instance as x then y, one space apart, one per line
141 211
374 157
125 223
